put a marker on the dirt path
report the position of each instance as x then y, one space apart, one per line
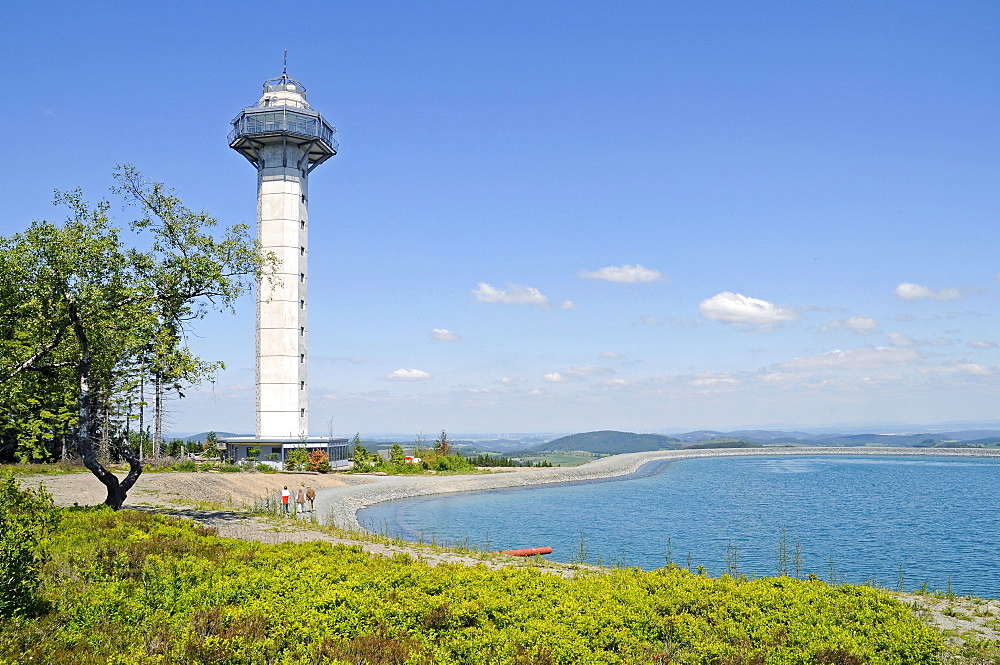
166 489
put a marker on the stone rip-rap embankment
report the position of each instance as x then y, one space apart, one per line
340 505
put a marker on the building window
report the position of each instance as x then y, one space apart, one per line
302 332
302 357
275 451
302 277
302 385
302 251
302 413
302 223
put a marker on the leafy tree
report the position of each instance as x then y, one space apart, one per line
442 446
360 455
93 314
211 445
319 461
396 454
26 518
297 459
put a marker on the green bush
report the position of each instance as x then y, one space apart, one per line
26 518
297 459
187 466
452 463
131 587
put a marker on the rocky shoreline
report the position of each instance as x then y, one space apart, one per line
340 505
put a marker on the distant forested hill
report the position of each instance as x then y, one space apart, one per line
609 442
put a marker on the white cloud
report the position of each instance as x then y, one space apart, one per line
515 294
588 370
554 377
863 358
709 379
896 339
780 378
981 344
908 291
444 335
408 375
625 274
859 325
729 307
959 368
611 354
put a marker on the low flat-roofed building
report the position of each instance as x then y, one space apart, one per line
274 450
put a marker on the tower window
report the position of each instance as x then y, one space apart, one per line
302 304
302 277
303 200
302 357
302 413
302 223
302 332
302 385
302 251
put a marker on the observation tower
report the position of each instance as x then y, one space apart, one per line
285 139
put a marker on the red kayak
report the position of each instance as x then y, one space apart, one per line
528 551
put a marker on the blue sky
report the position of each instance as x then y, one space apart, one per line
556 216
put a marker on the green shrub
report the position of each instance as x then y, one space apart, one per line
296 460
452 463
131 587
26 518
187 466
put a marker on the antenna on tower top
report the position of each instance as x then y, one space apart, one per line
284 70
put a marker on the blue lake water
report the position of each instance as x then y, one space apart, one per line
855 518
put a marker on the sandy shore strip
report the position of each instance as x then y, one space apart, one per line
340 505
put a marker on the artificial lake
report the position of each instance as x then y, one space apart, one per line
894 521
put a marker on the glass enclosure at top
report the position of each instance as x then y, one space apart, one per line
272 121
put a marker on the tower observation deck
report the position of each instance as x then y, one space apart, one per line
284 139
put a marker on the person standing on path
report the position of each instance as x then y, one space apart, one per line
311 496
285 497
300 499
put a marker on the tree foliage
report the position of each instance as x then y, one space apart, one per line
442 446
362 459
26 518
84 316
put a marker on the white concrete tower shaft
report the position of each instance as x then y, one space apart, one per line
284 139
